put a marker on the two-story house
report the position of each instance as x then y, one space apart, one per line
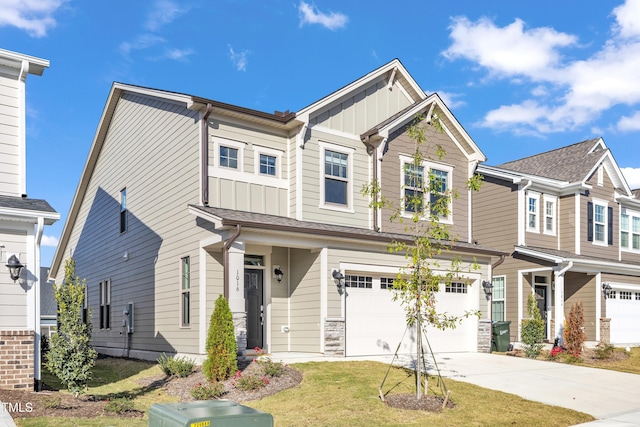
22 222
183 199
571 225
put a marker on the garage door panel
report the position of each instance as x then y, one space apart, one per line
375 324
625 316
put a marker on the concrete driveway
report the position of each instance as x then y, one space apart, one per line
611 397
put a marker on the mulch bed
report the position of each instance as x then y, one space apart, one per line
425 403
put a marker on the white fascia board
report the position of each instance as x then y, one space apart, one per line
306 112
583 264
15 59
215 220
29 215
535 254
538 183
179 98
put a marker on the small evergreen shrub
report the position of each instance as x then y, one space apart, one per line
207 391
603 351
269 367
119 405
574 336
532 329
53 402
222 348
175 366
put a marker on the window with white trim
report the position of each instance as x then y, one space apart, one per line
363 282
456 288
85 305
228 157
624 230
549 215
185 292
268 165
438 195
413 200
498 298
416 187
599 222
630 230
533 207
123 210
105 304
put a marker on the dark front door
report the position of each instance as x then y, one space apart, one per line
254 306
541 297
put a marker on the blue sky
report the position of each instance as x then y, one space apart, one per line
521 77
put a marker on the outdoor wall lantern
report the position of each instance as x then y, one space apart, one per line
487 286
338 277
278 273
606 288
15 266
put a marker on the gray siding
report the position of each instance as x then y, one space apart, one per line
10 155
279 302
495 214
13 297
305 296
567 223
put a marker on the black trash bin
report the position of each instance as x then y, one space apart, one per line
500 333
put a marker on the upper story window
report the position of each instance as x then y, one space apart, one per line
267 165
123 210
105 304
533 207
599 223
228 157
498 298
185 292
336 178
549 215
630 230
416 186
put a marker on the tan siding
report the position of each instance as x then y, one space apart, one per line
149 145
305 306
579 287
392 176
495 214
606 193
567 223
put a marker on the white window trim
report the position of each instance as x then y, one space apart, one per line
504 296
605 205
631 214
225 172
350 152
182 292
554 200
536 197
269 180
404 159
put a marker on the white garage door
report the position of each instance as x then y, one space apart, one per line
623 308
375 323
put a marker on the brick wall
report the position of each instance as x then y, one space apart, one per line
16 360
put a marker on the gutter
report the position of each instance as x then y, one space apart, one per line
204 156
36 312
225 254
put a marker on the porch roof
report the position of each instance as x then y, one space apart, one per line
228 218
28 208
581 263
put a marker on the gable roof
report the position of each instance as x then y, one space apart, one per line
22 207
435 109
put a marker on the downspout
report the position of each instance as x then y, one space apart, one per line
204 156
225 255
36 312
372 149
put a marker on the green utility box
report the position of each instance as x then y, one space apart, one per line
500 333
207 413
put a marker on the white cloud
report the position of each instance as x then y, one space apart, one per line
33 16
178 54
50 241
627 14
574 92
141 42
311 15
451 99
632 175
629 123
164 12
239 59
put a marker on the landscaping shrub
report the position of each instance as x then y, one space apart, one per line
71 358
574 336
222 348
603 351
269 367
119 405
53 402
208 391
249 382
176 366
532 329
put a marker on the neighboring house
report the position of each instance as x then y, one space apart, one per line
572 228
183 199
48 305
22 221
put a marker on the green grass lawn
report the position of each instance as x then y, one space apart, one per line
338 394
630 365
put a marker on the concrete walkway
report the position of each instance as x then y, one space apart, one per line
5 418
613 398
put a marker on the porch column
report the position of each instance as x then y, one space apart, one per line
236 293
558 302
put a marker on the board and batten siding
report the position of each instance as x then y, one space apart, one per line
495 214
305 301
9 136
245 189
363 110
392 177
152 149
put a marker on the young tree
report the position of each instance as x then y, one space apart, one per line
71 357
222 347
532 328
429 201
